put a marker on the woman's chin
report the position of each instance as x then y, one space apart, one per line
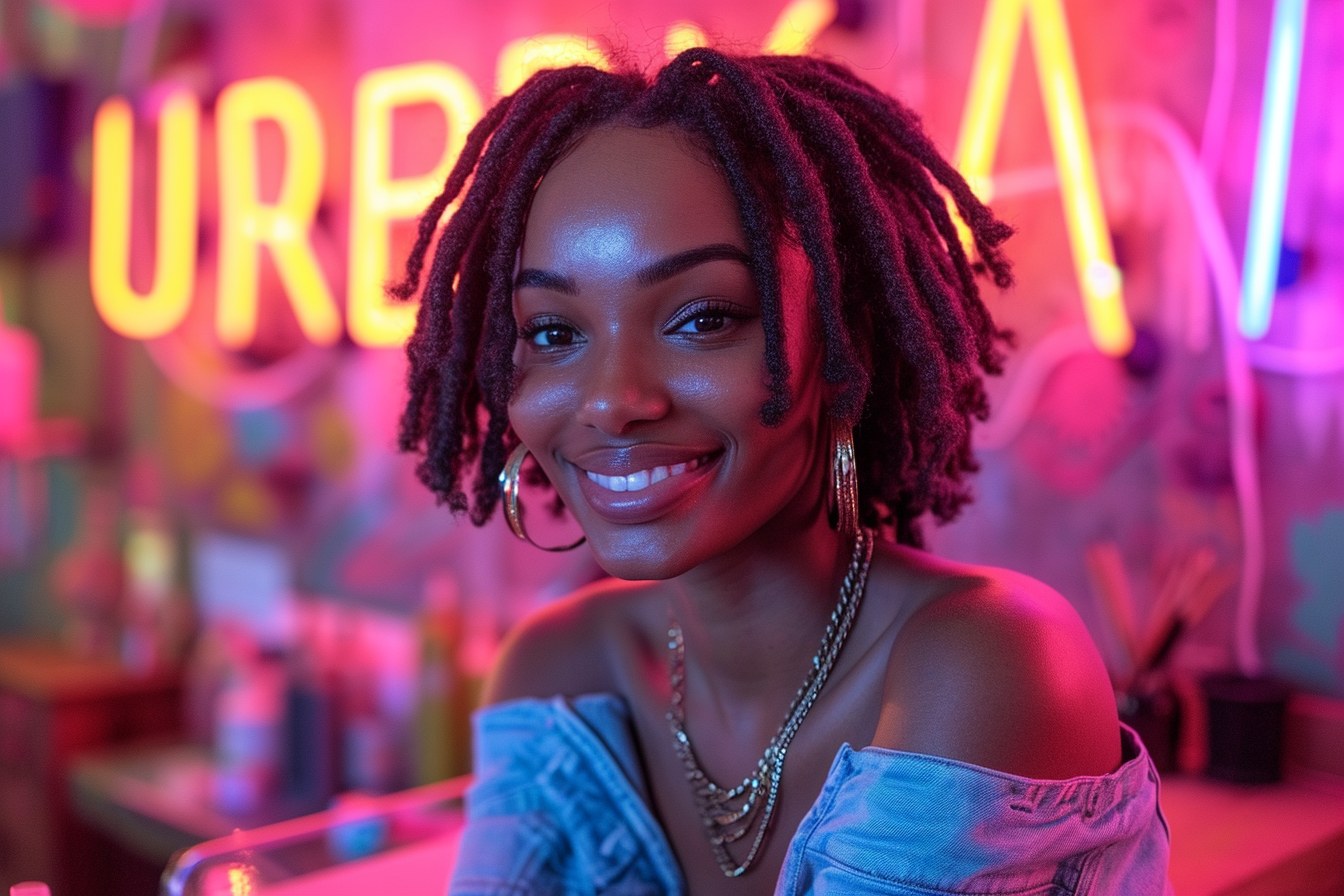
643 553
637 565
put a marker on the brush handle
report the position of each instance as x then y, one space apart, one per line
1164 647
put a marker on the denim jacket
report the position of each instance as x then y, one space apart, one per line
560 806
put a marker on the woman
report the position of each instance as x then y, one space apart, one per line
728 313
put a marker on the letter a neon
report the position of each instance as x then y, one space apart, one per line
982 123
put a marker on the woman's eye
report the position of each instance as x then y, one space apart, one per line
704 323
551 336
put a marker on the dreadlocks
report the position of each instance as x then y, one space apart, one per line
809 151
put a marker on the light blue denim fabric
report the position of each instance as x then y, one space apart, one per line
560 807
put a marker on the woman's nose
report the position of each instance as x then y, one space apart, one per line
623 388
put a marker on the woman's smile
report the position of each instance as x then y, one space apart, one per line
642 479
648 494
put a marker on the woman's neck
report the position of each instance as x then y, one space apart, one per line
752 618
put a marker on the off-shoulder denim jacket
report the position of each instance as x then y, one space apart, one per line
560 806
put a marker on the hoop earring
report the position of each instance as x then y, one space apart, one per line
844 482
513 511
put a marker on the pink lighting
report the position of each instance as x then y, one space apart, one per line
18 389
102 13
249 225
204 379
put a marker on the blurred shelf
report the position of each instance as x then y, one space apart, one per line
155 800
55 708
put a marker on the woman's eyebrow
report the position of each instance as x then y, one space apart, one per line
660 270
546 280
674 264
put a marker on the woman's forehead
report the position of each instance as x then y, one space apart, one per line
630 190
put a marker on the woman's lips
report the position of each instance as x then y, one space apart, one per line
642 479
646 494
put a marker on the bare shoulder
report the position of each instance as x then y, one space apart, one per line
998 670
567 647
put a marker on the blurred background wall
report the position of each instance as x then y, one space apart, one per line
165 499
290 444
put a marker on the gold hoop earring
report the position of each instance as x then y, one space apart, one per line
844 482
513 511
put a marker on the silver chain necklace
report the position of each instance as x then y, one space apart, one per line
730 813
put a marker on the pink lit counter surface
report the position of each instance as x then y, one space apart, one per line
404 843
1227 840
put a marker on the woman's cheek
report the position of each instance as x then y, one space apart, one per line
730 382
539 405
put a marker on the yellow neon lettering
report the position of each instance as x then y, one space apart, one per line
798 25
682 36
982 122
376 199
159 310
521 59
247 224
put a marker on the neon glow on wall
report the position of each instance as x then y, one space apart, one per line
798 26
520 59
982 122
1265 228
682 36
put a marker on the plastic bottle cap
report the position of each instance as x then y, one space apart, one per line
30 888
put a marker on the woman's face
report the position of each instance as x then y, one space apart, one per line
641 359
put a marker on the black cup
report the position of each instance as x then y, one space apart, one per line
1245 728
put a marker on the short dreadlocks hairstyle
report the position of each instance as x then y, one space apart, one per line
811 153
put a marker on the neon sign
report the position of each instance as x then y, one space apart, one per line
982 123
282 226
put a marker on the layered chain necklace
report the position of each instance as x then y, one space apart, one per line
730 813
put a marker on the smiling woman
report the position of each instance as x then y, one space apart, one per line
641 351
727 312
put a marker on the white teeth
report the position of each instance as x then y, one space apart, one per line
642 479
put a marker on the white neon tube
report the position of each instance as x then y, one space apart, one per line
1264 234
